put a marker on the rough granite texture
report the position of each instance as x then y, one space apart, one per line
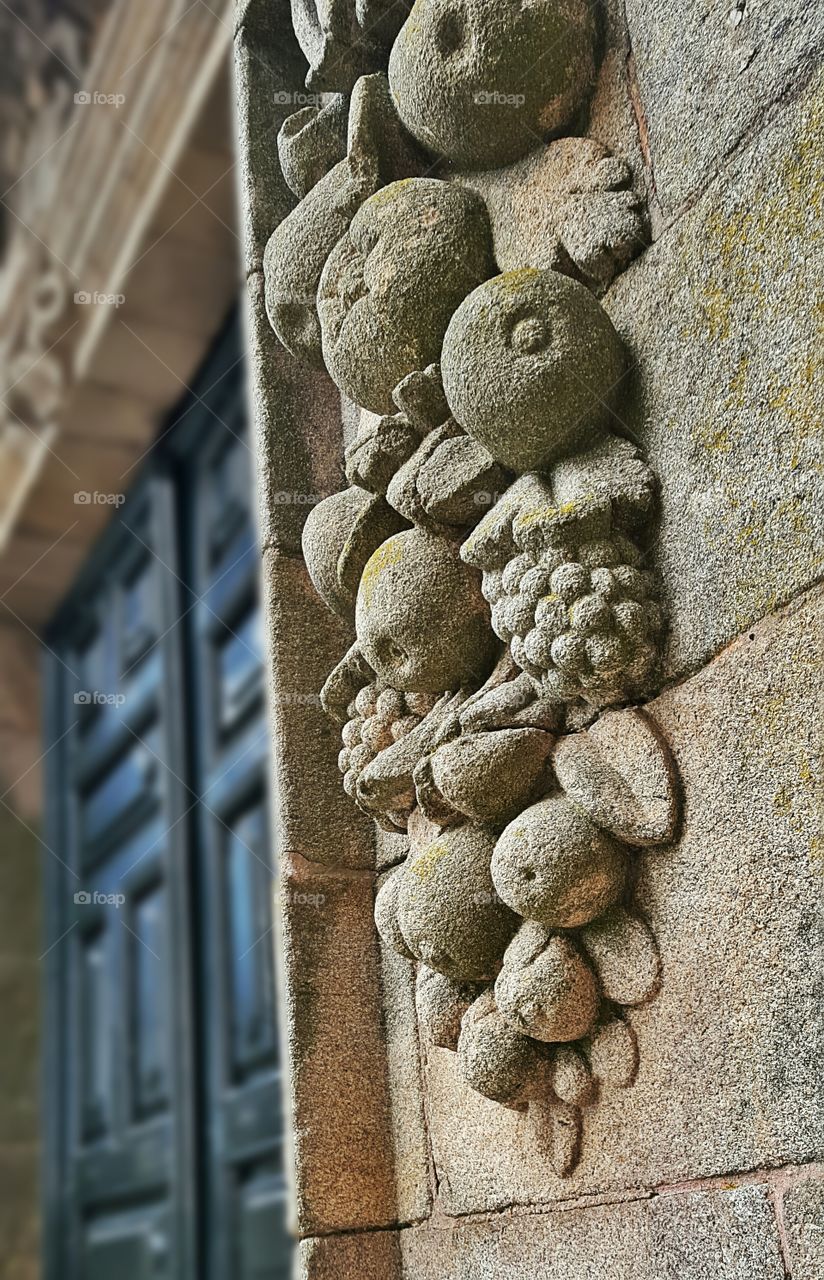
314 816
707 72
803 1209
344 1169
711 1235
730 390
730 1049
296 467
721 396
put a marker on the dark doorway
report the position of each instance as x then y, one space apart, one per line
163 1157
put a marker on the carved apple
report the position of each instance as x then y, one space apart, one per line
391 284
530 364
448 910
552 864
482 83
545 988
494 1059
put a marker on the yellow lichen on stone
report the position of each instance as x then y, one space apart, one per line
423 868
389 553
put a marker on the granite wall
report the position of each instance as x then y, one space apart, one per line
710 1164
20 948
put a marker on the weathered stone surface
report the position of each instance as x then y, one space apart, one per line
726 1235
296 416
311 142
267 74
414 251
371 1256
339 1084
449 913
712 1235
569 201
729 1049
720 317
340 534
409 1143
706 73
803 1213
552 864
529 363
315 817
421 620
343 39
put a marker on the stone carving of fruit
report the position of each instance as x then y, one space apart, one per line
530 364
413 252
467 82
421 620
377 719
386 913
545 988
449 913
340 534
553 865
441 1004
494 1058
569 596
489 777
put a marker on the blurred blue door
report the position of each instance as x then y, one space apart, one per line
164 1132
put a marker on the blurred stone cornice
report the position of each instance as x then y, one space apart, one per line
119 258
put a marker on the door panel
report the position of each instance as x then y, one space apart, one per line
164 1137
245 1185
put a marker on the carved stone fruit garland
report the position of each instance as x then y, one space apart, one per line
491 547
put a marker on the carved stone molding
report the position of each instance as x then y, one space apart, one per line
444 264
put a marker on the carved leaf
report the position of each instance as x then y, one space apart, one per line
622 774
613 1053
625 956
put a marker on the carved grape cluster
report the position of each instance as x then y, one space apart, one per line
377 718
581 620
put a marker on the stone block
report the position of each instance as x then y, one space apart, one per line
803 1209
410 1144
314 816
372 1256
296 415
331 1017
268 73
729 1049
720 318
707 72
711 1235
